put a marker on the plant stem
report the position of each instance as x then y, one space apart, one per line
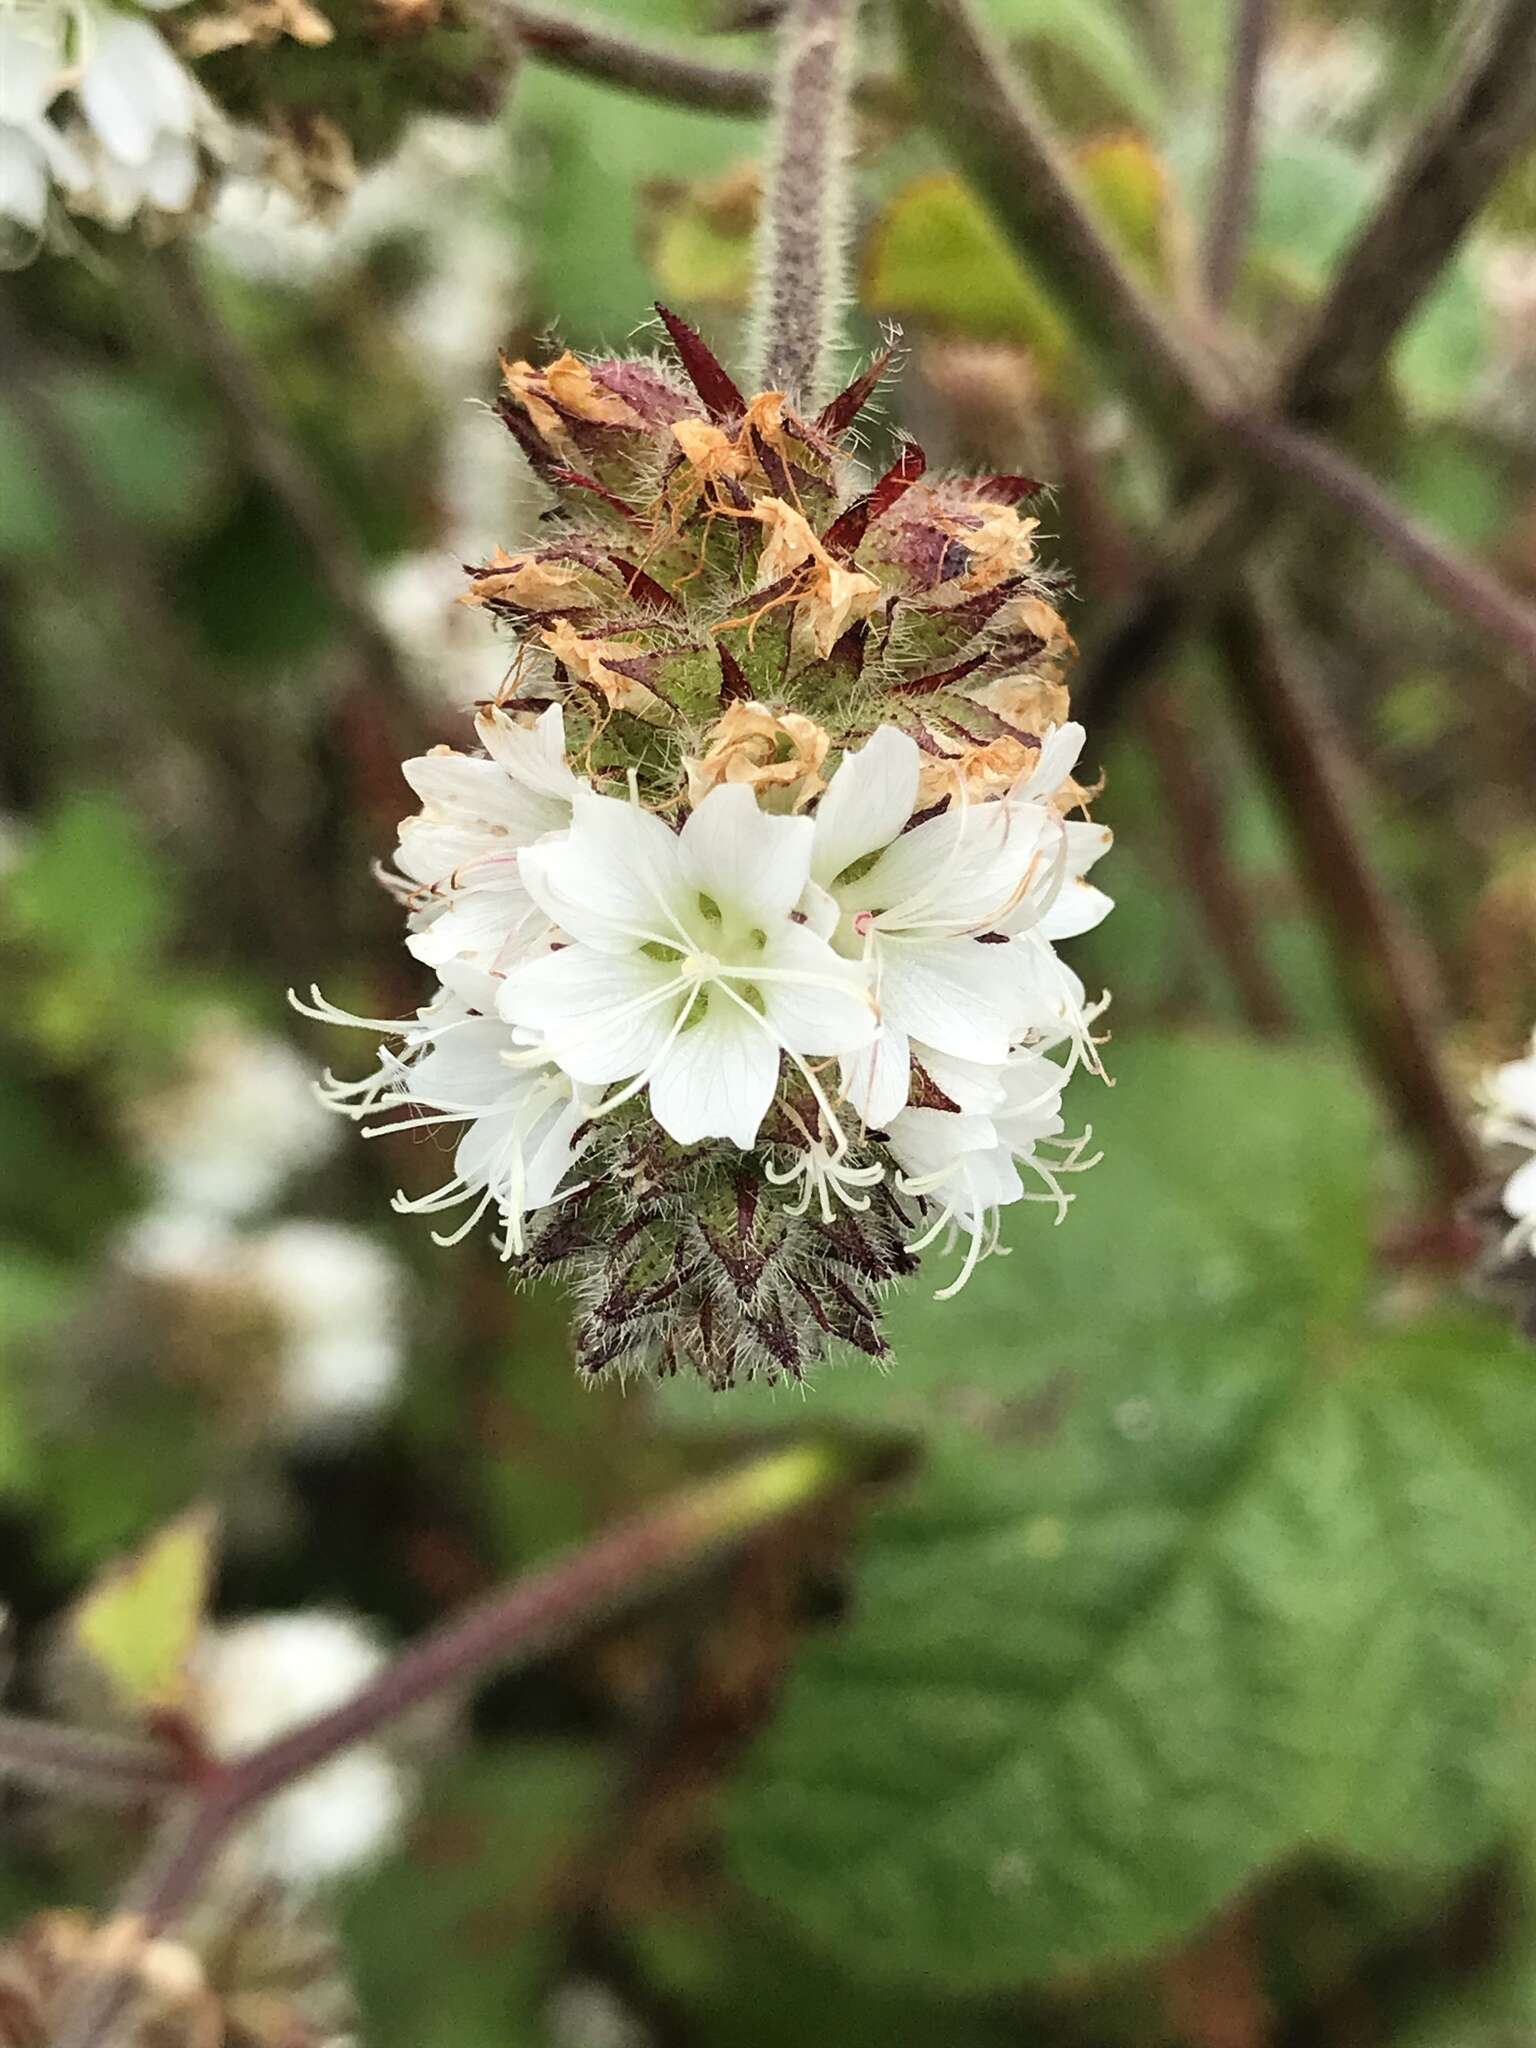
800 285
1232 197
1462 584
1387 975
992 126
266 445
509 1628
1450 167
107 1769
592 50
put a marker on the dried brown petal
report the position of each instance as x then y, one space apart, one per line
777 753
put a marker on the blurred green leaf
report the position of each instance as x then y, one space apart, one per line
747 1987
87 885
138 1623
1195 1574
1099 37
1454 488
454 1942
1312 192
156 464
35 1295
599 150
936 255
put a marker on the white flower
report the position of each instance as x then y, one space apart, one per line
937 911
327 1297
337 1297
33 71
965 1165
460 1064
1509 1118
237 1123
254 1681
137 124
684 972
144 120
461 849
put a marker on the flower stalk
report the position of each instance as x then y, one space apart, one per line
800 283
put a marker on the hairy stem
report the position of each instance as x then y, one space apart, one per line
1387 975
800 284
511 1627
1232 196
593 50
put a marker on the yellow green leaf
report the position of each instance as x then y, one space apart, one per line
936 256
700 238
1130 194
139 1621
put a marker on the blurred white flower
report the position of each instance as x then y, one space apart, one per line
135 126
1509 1119
235 1124
321 1306
255 1680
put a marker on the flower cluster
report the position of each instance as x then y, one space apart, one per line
744 915
134 128
124 110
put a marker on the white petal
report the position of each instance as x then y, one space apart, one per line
878 1078
170 179
601 1013
1520 1191
928 1140
829 1010
867 802
1086 843
532 755
133 88
465 1070
23 180
969 1084
1078 908
612 881
753 865
718 1077
820 911
479 923
956 995
1512 1089
32 68
478 791
961 870
1059 752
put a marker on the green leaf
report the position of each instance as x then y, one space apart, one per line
1312 194
35 1296
154 461
1205 1564
936 255
1096 36
138 1623
1446 347
595 150
476 1888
